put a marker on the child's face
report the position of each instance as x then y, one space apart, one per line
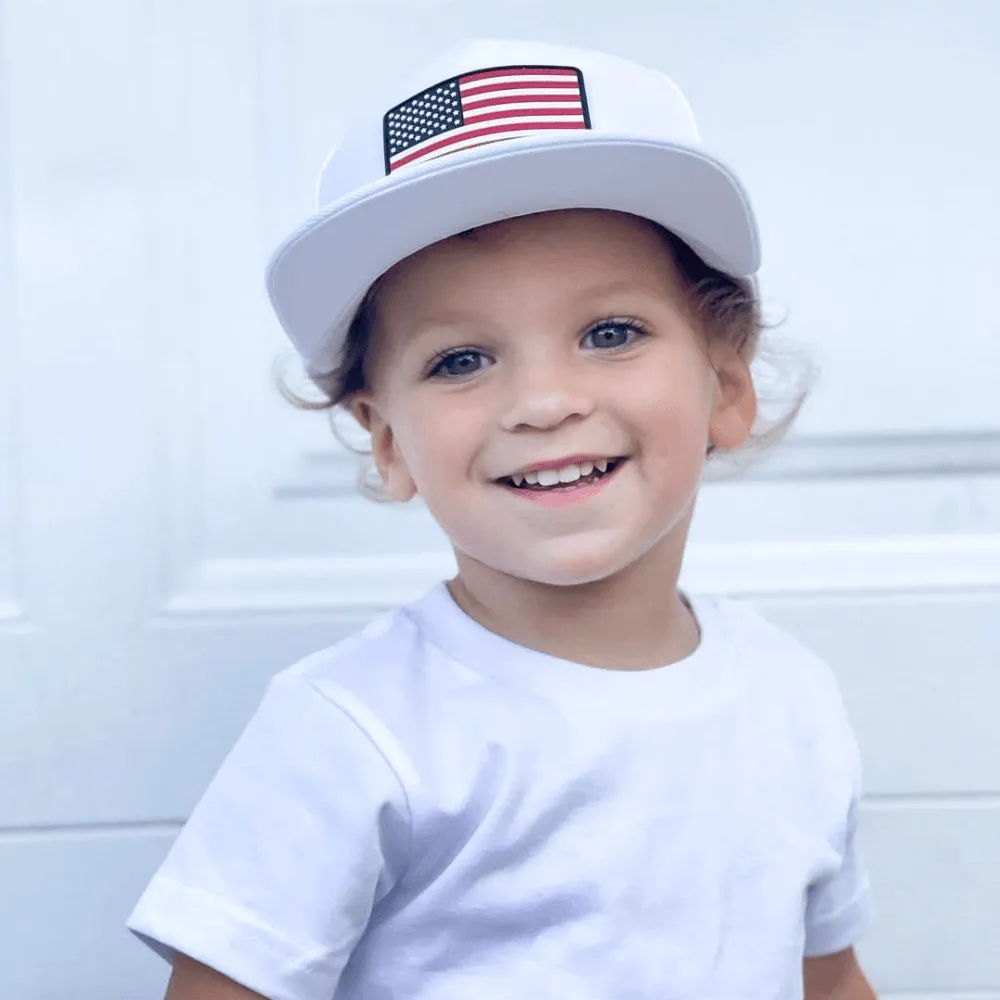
573 338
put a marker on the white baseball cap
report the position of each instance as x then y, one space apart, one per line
494 130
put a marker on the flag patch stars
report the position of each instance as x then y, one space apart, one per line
430 113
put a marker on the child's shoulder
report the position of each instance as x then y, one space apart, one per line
388 669
379 655
772 653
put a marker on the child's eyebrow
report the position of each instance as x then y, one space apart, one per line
423 326
481 321
617 287
604 290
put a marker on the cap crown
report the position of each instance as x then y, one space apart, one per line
489 91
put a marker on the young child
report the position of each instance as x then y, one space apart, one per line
556 775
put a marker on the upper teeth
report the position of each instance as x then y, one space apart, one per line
567 474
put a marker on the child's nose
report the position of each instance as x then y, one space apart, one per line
545 397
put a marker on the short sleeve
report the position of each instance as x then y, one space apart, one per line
273 878
837 909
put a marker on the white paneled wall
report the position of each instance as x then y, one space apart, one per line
172 534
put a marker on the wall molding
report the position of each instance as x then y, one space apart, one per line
354 586
319 475
332 473
881 456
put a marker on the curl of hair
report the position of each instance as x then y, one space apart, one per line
725 308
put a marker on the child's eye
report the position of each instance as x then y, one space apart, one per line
458 362
615 333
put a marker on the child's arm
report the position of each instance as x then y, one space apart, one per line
193 981
834 977
274 876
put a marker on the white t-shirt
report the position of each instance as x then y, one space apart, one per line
427 811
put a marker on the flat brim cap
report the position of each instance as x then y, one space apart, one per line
495 130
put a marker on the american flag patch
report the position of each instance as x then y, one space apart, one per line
487 106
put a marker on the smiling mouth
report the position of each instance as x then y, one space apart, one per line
520 483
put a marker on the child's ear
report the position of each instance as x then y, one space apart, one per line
360 407
389 461
735 408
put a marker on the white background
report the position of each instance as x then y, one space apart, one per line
172 533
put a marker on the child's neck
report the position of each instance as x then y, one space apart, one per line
636 620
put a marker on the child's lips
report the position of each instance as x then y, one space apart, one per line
578 461
566 494
561 463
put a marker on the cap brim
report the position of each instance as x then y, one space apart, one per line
318 276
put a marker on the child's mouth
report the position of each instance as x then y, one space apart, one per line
584 481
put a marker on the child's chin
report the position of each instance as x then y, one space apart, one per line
568 569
